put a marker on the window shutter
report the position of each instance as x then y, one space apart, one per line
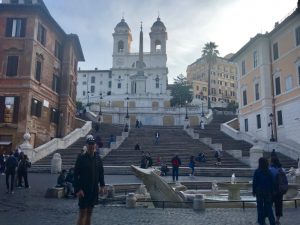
9 23
39 109
23 28
2 106
16 109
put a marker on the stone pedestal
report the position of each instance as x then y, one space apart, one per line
130 200
186 124
199 202
56 163
256 152
26 147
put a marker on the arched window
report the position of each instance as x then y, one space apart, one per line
157 82
120 46
157 46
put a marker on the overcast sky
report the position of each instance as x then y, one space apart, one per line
190 24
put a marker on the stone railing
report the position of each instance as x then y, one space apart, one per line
282 147
59 143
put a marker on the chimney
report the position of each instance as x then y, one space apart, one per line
276 24
298 4
96 68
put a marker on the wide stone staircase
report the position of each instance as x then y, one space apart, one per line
173 141
70 154
213 131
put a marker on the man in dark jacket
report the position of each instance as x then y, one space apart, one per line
10 171
88 174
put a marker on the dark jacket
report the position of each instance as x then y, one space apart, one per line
88 173
262 182
11 163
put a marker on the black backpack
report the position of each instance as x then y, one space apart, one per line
281 183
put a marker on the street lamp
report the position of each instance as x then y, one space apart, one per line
270 124
186 113
100 103
202 98
127 115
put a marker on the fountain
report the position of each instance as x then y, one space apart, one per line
176 194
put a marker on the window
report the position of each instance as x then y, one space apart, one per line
204 89
157 83
83 82
279 118
244 97
15 27
83 93
14 1
243 67
119 84
254 59
58 50
297 36
275 51
56 83
41 35
197 88
257 91
157 46
109 84
277 86
12 66
246 125
220 91
288 83
120 46
258 121
9 109
92 89
28 1
54 115
36 108
92 80
38 70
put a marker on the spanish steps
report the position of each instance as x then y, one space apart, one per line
173 140
213 131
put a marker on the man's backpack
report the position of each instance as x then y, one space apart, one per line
281 183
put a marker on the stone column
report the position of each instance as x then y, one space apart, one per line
56 163
256 152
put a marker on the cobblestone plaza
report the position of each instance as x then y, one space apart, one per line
30 207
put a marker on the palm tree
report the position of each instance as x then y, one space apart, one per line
210 53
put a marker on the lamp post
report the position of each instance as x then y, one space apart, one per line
202 98
270 124
100 111
186 112
127 114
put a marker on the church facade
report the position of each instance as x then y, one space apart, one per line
135 88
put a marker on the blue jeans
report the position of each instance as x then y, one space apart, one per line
264 208
175 173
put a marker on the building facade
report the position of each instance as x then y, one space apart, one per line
36 57
269 83
92 85
223 81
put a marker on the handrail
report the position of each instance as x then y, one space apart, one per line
243 202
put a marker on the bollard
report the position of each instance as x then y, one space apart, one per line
130 200
110 191
56 163
199 203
